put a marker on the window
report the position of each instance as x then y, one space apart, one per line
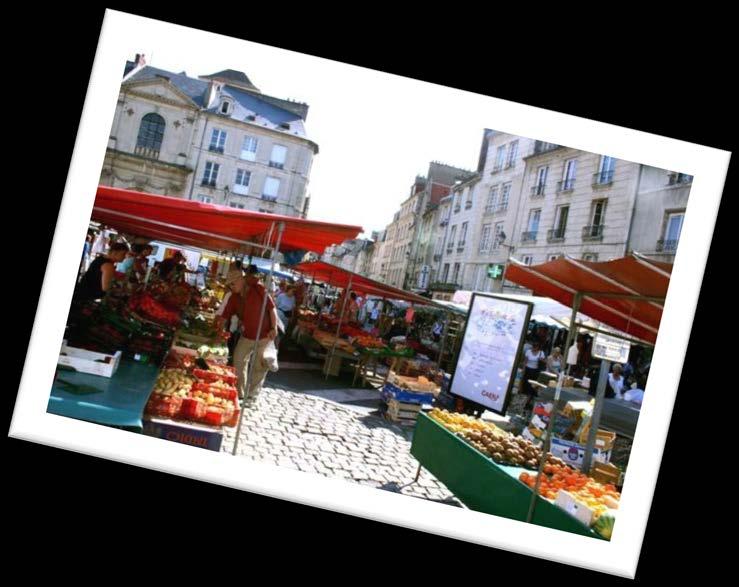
468 202
673 228
249 149
457 201
605 171
225 107
241 183
527 259
463 235
598 212
541 181
492 199
485 238
235 205
534 218
205 199
439 245
560 223
512 154
452 234
504 197
590 257
499 158
445 273
210 174
553 257
568 177
271 187
217 140
497 238
455 275
679 178
151 134
277 159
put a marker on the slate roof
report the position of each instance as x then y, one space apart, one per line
233 75
194 88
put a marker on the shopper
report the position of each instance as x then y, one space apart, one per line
286 304
99 244
235 273
98 278
437 330
246 302
86 251
351 312
554 361
140 263
534 360
174 268
615 383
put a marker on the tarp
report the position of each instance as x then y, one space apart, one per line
339 277
634 275
544 308
210 226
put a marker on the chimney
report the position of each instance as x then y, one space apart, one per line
140 60
211 93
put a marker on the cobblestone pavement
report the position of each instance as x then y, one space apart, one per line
317 436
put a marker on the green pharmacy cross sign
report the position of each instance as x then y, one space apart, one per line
495 270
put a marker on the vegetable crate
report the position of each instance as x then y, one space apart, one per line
90 362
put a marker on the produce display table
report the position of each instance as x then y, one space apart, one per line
480 483
618 416
114 401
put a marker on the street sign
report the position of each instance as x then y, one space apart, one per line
495 270
610 348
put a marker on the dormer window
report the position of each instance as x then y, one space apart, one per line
226 107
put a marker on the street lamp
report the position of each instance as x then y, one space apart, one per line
500 242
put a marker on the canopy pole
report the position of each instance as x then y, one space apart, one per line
553 412
600 393
330 357
443 338
253 356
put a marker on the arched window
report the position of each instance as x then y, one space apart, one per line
151 133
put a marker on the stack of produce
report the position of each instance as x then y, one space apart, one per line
178 396
216 373
151 309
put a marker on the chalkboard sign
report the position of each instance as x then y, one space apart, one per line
491 345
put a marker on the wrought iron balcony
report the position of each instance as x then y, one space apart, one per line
601 178
566 185
467 205
449 250
537 191
457 208
215 149
497 168
510 164
209 183
594 232
666 246
269 198
543 147
489 209
437 257
441 286
556 235
528 237
460 247
277 165
501 208
444 222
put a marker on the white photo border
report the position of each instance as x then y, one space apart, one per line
121 34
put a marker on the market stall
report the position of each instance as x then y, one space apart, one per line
159 325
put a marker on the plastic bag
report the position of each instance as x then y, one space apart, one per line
269 356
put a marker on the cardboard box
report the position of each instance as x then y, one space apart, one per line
89 361
577 509
200 435
605 473
573 453
604 440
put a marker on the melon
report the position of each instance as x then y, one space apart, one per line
604 524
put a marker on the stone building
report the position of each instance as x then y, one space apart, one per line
216 139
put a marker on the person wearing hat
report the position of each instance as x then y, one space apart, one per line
246 302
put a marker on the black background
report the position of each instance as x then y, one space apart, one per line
652 74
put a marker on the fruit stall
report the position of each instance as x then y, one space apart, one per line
152 358
492 471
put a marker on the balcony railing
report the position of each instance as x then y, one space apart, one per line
510 164
556 235
542 147
666 246
444 222
679 179
537 191
603 178
216 149
457 208
146 152
208 183
460 247
489 209
528 237
497 168
269 198
566 185
501 208
449 250
437 257
467 205
594 232
277 165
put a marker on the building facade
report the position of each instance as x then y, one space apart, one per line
215 139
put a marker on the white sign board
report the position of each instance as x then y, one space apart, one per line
610 348
492 343
423 277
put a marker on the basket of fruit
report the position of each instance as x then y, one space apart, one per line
215 374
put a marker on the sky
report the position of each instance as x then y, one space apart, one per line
375 131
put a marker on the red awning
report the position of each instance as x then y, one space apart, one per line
616 293
209 226
339 277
